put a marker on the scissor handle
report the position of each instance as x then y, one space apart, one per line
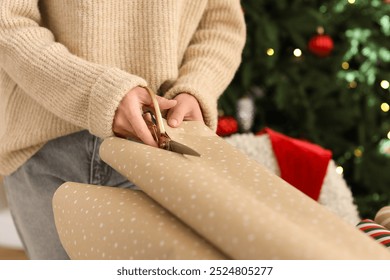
157 111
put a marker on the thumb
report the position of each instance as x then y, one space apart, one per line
176 116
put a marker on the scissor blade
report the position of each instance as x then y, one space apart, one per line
182 149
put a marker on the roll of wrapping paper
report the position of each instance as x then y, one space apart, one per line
382 217
235 203
97 222
376 231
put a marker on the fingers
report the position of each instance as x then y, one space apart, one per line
138 125
165 104
128 120
124 129
119 125
176 116
146 100
143 133
187 108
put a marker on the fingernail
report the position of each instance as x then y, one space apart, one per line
173 122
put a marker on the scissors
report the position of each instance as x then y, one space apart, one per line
154 121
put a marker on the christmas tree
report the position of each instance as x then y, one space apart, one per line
319 70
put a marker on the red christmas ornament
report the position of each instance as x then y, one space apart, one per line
321 45
227 125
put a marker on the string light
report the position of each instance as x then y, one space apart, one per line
270 52
352 84
388 135
351 1
345 65
385 107
384 147
358 152
385 84
339 170
297 52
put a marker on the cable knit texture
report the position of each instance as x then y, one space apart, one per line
65 65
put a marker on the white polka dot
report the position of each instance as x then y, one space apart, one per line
251 237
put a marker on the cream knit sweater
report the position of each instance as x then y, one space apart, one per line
65 65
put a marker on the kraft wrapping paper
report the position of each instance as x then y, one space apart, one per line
99 222
235 203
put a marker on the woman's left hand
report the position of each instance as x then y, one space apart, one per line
187 109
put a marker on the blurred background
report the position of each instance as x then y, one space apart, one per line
10 245
313 70
320 71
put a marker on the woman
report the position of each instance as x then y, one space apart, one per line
73 72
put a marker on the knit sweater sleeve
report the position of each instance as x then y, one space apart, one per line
212 56
83 93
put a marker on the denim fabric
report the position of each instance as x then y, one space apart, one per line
30 189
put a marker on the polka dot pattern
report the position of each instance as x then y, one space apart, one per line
96 222
234 202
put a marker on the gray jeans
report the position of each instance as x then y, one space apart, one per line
30 189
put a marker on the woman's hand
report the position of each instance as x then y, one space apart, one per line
128 120
187 108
